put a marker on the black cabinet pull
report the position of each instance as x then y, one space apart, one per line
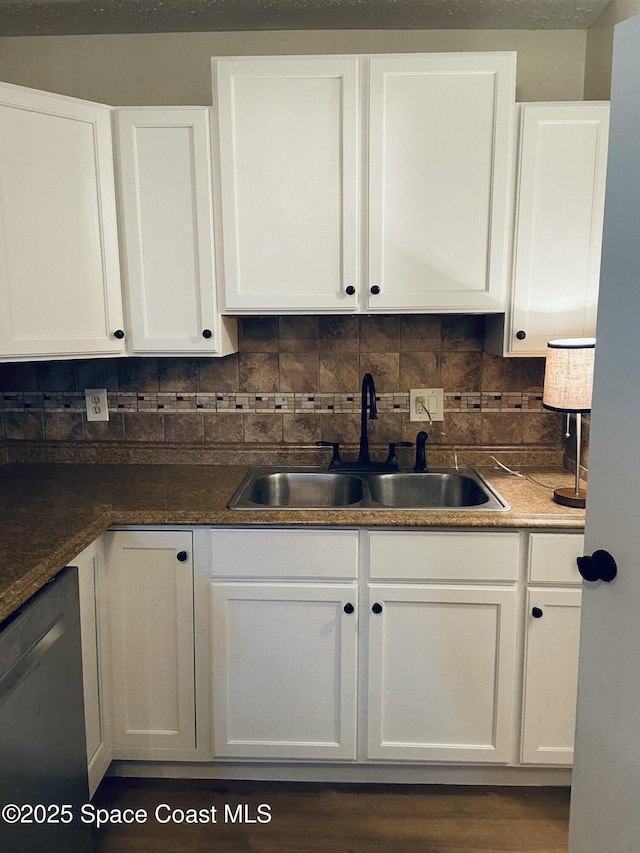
182 556
206 333
350 290
119 334
375 290
537 613
599 567
521 335
377 608
348 608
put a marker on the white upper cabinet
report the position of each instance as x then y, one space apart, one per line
59 266
288 154
166 206
423 142
558 227
440 148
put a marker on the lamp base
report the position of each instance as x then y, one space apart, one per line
569 497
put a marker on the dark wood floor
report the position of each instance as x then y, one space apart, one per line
313 818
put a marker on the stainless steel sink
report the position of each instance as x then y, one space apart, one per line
304 490
315 488
428 491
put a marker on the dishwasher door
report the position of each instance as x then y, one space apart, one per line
43 760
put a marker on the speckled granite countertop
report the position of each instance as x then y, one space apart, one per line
51 512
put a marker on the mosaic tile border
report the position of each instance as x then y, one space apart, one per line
265 403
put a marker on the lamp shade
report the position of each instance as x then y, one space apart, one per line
568 377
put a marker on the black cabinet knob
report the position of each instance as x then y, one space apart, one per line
348 608
377 608
375 290
599 567
521 335
182 556
537 613
119 334
350 290
206 333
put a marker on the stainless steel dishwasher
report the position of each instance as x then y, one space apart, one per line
43 763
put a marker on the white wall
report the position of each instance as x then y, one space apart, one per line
597 78
174 68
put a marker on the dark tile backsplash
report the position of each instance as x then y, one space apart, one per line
294 380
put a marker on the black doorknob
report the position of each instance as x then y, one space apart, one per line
348 608
377 608
206 333
599 567
119 334
537 613
182 556
375 290
350 290
521 335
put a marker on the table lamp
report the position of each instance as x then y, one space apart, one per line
568 380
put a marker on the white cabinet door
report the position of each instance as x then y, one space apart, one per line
288 159
440 149
284 670
147 601
562 171
551 675
89 564
59 266
164 157
441 673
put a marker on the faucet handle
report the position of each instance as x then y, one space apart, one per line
336 462
421 460
391 458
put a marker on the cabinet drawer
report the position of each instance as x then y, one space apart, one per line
284 553
552 557
444 556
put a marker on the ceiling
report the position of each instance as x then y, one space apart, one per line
59 17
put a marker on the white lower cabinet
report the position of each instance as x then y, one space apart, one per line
331 645
148 632
441 656
89 564
551 675
441 672
284 662
552 638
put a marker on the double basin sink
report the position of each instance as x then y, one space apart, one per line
314 488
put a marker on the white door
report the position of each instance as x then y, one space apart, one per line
166 196
550 675
440 154
284 670
59 265
563 163
288 149
441 673
606 777
147 601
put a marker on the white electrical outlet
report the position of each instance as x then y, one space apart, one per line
97 406
426 404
